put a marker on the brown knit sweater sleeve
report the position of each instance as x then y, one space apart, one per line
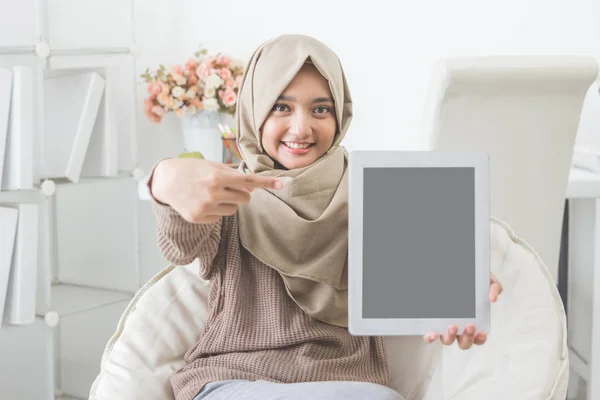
180 241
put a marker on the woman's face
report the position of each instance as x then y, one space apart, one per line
301 126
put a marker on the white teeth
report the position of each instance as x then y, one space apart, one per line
297 145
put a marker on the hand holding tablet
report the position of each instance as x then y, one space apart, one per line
470 335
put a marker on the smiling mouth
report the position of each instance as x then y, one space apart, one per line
297 146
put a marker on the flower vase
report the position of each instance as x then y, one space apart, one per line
201 134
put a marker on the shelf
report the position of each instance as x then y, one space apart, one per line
21 196
71 299
17 50
10 329
85 180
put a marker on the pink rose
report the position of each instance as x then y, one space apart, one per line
223 60
154 88
148 104
190 64
179 79
166 89
229 83
154 113
193 79
176 70
158 110
202 71
238 80
225 73
180 113
229 98
154 118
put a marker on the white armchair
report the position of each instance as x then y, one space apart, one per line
524 112
525 356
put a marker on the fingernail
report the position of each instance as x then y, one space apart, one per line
453 330
470 330
278 184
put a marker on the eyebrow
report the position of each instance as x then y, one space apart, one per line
317 100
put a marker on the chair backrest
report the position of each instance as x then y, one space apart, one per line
524 112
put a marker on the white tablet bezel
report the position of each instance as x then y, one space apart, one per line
358 161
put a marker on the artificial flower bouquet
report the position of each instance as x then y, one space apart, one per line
204 83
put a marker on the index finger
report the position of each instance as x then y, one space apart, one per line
240 180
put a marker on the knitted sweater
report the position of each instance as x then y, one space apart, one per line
254 329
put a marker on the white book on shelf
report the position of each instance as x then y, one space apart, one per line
5 94
18 157
101 159
47 259
8 230
22 284
72 103
587 158
114 119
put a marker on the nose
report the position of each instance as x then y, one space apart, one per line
300 125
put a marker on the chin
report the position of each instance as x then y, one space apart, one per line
298 163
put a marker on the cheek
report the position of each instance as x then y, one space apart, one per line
270 133
329 130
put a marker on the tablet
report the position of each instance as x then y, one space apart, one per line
418 244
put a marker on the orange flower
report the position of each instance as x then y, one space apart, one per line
197 103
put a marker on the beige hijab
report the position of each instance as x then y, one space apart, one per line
302 230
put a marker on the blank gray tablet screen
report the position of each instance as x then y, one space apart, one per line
419 243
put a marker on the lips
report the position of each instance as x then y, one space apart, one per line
297 148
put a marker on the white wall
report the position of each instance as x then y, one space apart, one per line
387 47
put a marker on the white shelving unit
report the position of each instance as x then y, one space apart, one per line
89 259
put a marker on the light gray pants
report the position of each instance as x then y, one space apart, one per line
263 390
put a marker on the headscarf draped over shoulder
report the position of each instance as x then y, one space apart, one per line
301 231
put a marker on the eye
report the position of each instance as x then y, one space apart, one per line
281 107
322 109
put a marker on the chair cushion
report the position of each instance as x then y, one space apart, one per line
525 355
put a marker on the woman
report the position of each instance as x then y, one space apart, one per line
272 239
